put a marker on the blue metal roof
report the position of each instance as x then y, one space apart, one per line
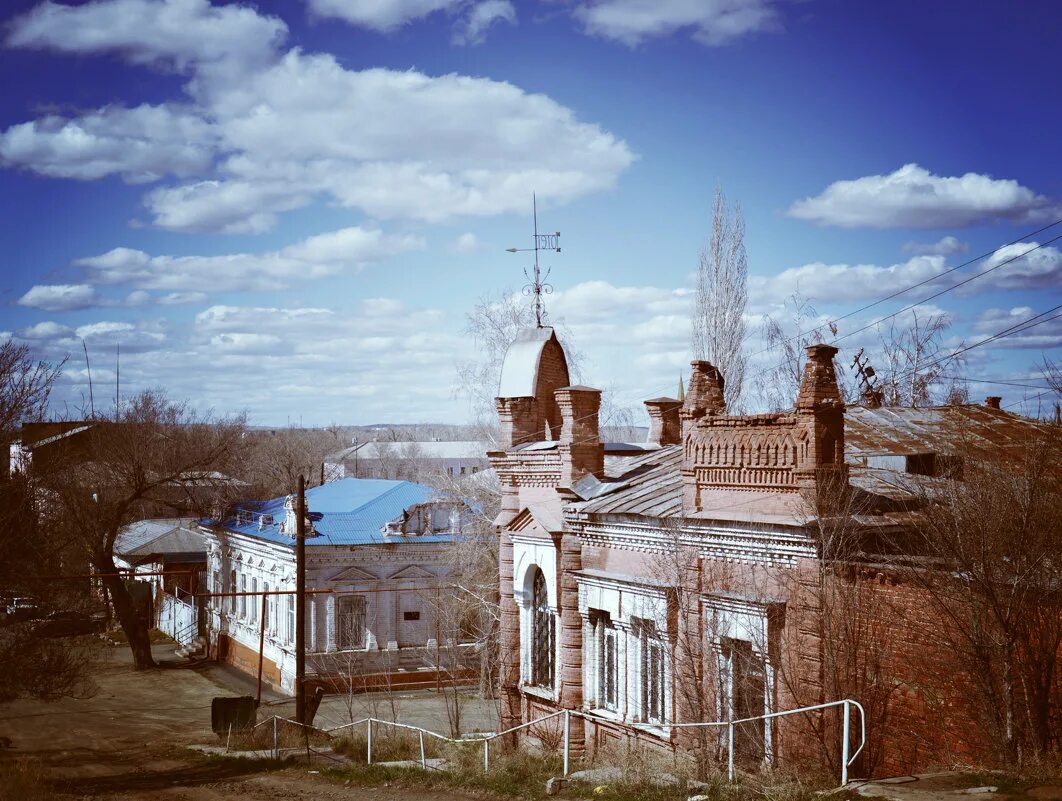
353 512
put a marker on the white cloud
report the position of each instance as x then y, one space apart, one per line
1045 333
473 28
839 283
141 144
710 22
70 297
299 127
380 15
467 243
60 297
45 330
946 246
471 19
174 34
313 258
1040 269
912 197
592 301
177 298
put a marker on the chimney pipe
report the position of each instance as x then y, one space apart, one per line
665 427
580 438
992 401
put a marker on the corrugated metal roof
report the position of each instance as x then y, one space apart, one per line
976 431
163 535
354 510
651 484
432 449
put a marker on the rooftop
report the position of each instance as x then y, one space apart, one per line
353 512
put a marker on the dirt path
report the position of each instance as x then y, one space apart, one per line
129 742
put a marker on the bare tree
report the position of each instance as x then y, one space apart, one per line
779 384
913 363
991 571
276 459
160 457
33 550
1052 374
25 386
722 295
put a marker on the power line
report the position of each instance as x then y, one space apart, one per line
1017 328
991 381
947 289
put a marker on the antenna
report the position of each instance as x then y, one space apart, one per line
537 285
867 385
88 369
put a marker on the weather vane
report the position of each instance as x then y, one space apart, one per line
537 285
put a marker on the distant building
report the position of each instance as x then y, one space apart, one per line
374 561
169 555
389 459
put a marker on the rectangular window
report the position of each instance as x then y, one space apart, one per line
411 615
350 622
243 598
607 642
653 688
744 689
267 623
291 619
654 676
255 602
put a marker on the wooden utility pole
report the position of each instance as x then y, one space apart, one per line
300 603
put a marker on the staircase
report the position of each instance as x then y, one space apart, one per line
195 648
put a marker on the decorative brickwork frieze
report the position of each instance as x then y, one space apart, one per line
799 451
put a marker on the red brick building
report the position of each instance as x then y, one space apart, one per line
683 580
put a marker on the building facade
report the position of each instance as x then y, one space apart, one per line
375 559
681 581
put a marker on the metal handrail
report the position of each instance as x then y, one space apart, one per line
847 759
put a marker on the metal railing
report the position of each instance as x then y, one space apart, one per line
847 756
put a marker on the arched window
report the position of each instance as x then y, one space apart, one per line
542 633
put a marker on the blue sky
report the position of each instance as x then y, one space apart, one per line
289 207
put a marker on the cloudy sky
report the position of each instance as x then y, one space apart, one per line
288 207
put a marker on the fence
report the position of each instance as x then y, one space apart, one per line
177 618
848 757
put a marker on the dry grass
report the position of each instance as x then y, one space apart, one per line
24 780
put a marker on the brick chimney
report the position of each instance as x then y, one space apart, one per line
520 421
705 395
820 412
818 387
665 426
992 401
580 438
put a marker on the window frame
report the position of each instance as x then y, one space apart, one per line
543 634
344 640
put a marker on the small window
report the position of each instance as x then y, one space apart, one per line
350 622
411 615
291 618
605 636
654 676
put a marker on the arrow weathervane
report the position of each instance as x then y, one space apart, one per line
536 285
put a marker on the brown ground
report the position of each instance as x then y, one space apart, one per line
129 741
